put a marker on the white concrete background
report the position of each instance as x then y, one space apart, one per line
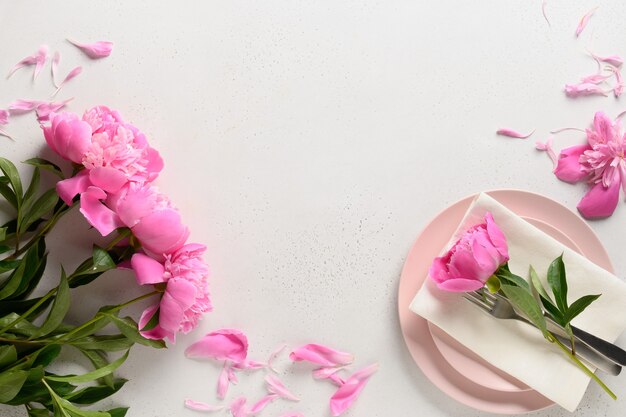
307 143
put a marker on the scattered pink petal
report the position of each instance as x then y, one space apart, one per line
96 50
275 386
292 414
249 365
73 73
56 59
200 406
547 147
4 117
5 134
262 403
326 373
321 355
223 344
23 106
543 11
337 380
274 355
513 133
584 20
583 89
345 396
614 60
594 79
40 61
44 109
26 62
238 407
563 129
618 88
621 114
223 381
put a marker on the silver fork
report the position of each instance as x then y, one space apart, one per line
500 308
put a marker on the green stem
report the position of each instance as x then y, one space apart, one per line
29 311
42 232
583 367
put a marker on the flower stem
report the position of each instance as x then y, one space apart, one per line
583 367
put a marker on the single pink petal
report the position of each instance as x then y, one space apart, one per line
274 355
292 414
223 344
326 373
262 403
513 134
71 187
25 62
147 270
97 214
345 396
109 179
6 134
56 59
337 380
543 11
45 109
460 285
583 89
594 79
23 106
249 365
584 20
238 408
73 73
161 232
223 381
568 166
232 376
96 50
156 333
42 57
275 386
547 147
200 406
618 88
614 60
600 201
321 355
4 117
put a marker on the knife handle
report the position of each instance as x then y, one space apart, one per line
611 351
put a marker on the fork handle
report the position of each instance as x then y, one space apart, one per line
612 352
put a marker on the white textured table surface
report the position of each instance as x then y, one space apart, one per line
307 143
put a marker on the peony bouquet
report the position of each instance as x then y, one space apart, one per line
112 172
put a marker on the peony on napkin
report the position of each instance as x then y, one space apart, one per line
514 347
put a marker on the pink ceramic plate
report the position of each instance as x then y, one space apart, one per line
451 379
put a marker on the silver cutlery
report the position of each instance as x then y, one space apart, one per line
500 308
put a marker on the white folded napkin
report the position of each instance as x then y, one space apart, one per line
515 347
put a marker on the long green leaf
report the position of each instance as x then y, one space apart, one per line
90 395
12 284
510 278
128 327
578 306
8 194
99 360
10 384
38 412
14 179
558 282
43 205
93 375
118 412
59 309
8 355
47 355
524 302
108 343
45 164
32 189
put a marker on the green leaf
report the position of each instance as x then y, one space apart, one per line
43 205
90 329
118 412
3 233
9 265
524 302
8 194
558 282
128 327
510 278
21 306
10 286
552 310
45 164
578 306
10 384
38 412
92 395
59 309
99 360
93 375
47 355
14 178
108 343
536 283
22 327
8 355
64 408
32 189
92 268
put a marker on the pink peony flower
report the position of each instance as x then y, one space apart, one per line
472 259
601 163
186 295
